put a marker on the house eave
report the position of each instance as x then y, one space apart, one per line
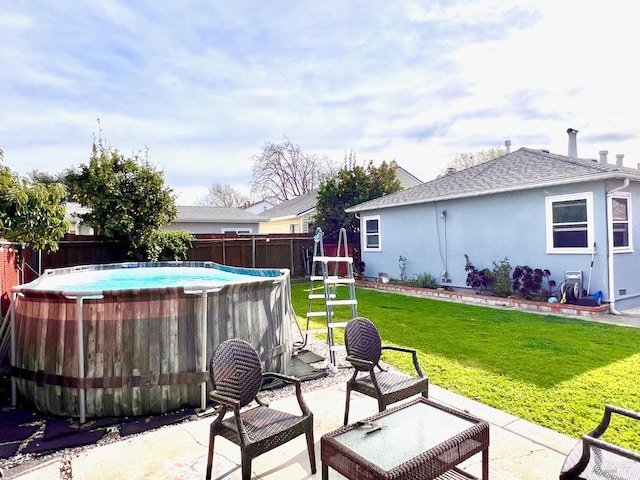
280 219
440 198
222 220
306 212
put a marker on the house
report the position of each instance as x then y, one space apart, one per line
407 180
292 216
215 220
72 213
296 215
258 207
576 217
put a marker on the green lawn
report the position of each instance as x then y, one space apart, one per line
553 371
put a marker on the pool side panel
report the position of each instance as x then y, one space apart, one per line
142 348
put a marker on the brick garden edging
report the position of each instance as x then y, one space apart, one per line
561 309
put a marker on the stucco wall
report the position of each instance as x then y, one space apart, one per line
490 228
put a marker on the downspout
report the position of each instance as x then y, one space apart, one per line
612 300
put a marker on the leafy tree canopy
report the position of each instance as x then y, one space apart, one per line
127 196
161 245
31 214
352 185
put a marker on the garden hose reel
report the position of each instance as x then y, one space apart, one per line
571 288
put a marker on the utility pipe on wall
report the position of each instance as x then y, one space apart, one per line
612 300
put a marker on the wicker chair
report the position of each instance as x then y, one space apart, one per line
593 458
364 349
236 376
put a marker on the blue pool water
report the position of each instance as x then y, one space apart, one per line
136 278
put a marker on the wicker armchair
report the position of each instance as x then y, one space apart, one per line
364 349
593 458
236 376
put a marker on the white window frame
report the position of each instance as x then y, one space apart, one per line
549 201
365 234
238 230
627 197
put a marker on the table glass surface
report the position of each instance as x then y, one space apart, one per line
405 434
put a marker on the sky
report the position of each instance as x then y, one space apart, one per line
203 85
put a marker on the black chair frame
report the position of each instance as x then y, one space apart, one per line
364 350
236 376
591 446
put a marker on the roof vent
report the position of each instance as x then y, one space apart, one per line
603 156
507 146
573 143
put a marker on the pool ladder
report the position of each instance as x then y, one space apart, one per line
329 283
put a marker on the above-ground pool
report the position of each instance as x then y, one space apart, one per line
135 338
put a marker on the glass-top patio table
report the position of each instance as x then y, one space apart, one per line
420 439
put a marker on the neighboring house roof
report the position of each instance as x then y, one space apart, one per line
295 207
407 180
520 170
305 204
258 207
217 215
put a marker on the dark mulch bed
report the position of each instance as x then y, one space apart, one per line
26 434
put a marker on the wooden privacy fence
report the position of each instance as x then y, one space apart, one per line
290 251
255 251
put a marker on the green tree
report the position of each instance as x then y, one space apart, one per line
161 245
352 185
31 214
127 196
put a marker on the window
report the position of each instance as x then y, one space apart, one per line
371 234
570 223
620 219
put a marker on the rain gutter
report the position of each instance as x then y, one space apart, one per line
612 300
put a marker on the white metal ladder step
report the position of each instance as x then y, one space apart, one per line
342 302
330 284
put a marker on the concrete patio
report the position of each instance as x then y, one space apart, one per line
519 449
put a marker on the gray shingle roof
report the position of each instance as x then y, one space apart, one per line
293 208
217 214
303 204
520 170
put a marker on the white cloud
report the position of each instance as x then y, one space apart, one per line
204 85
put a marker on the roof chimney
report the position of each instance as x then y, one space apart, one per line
507 146
603 156
573 146
619 158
